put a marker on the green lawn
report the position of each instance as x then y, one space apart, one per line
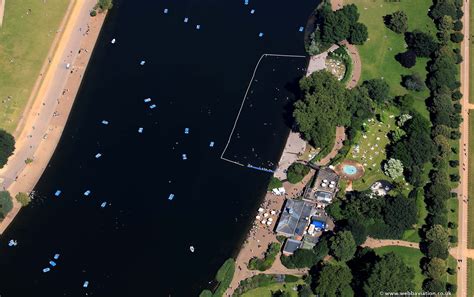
470 277
268 291
452 263
470 209
471 51
413 234
29 27
370 151
378 53
453 215
411 257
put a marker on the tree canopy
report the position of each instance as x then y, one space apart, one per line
342 246
390 274
296 172
7 146
334 280
397 21
6 204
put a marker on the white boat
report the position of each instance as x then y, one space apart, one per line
170 197
103 204
98 155
140 130
165 10
105 122
47 269
198 27
260 34
12 242
211 144
152 106
191 248
147 100
85 284
52 263
301 29
142 63
252 11
57 193
185 157
56 256
186 20
186 130
113 41
87 193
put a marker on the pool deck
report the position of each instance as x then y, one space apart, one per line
347 176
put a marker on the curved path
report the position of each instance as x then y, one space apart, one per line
377 243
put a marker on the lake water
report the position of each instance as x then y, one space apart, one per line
138 245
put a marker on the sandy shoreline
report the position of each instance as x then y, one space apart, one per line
44 121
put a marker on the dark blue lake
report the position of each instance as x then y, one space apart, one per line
139 244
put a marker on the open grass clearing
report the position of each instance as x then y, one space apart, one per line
269 290
411 257
470 208
29 28
378 53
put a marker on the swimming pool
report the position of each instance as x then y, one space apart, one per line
349 169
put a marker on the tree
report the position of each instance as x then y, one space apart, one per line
358 33
406 59
334 279
413 82
296 172
377 89
23 198
435 268
457 26
393 168
432 285
7 146
405 102
6 204
323 107
397 21
342 246
302 258
274 183
400 213
457 37
443 8
446 23
390 274
104 5
421 43
305 291
358 230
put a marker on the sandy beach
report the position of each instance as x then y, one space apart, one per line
46 114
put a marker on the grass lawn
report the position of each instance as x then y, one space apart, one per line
378 53
470 208
470 277
370 151
268 291
411 257
452 263
29 27
453 156
471 52
412 234
453 216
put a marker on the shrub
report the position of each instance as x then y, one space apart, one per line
291 278
457 95
23 198
6 203
413 82
93 13
267 262
377 89
454 163
274 183
451 288
296 172
457 26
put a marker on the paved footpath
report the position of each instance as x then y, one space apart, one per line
45 119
